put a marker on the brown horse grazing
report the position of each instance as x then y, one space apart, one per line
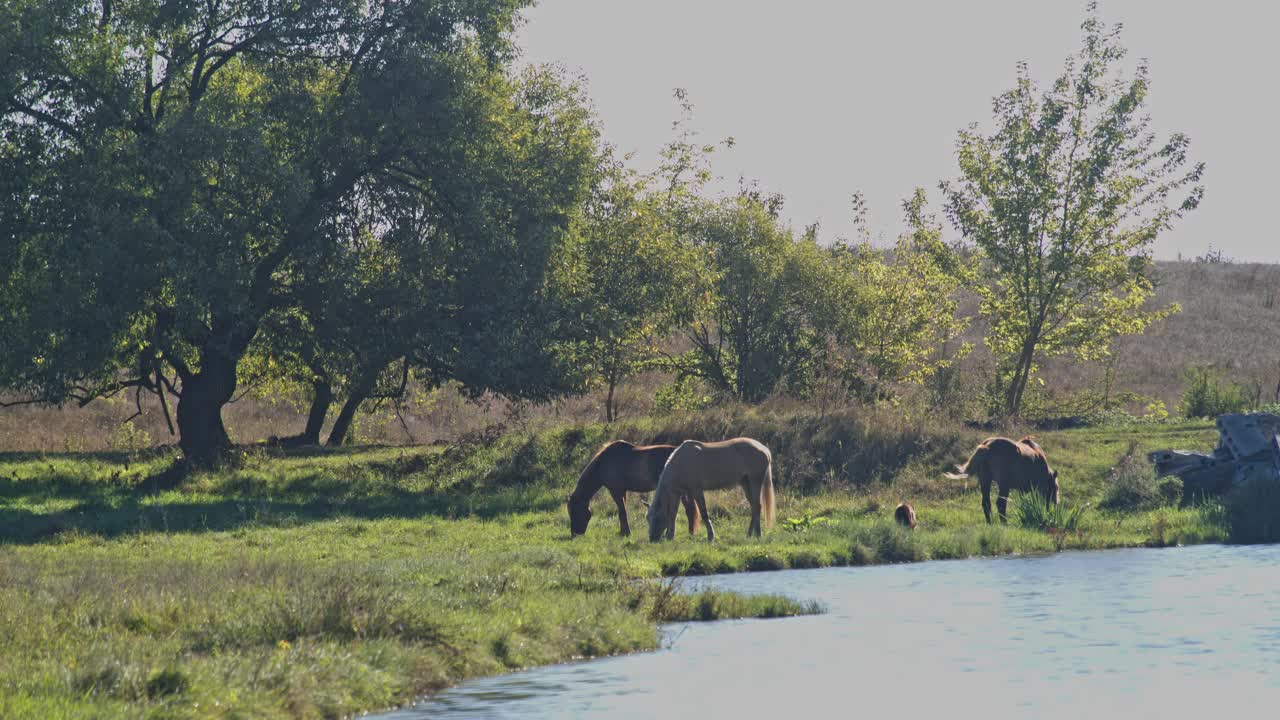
696 467
622 467
905 515
1011 465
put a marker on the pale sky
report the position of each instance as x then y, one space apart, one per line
827 98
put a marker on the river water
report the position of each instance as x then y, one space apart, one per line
1180 632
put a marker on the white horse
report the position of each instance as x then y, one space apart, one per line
696 467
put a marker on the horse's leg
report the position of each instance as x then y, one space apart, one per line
986 497
620 497
1002 503
701 500
690 512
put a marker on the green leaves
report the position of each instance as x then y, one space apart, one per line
625 276
756 326
899 309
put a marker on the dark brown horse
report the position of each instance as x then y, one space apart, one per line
1012 465
622 467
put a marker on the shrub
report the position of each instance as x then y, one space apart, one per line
1253 510
129 438
683 393
1208 394
1170 489
1133 486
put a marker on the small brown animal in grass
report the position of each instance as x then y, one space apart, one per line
905 515
1011 465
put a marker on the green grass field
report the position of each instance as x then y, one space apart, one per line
319 584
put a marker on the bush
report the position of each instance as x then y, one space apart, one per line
1133 486
1170 489
1253 510
129 438
683 393
1208 394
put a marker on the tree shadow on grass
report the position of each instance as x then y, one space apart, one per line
108 512
99 498
132 516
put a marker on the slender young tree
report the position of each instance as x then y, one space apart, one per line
627 277
1064 199
754 323
891 311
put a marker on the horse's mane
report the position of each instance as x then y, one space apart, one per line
606 446
1030 442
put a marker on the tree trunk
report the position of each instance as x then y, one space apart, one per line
609 415
359 391
1018 383
320 404
201 434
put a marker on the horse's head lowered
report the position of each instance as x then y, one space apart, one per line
661 514
579 515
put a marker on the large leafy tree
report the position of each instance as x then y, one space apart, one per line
405 288
1064 199
170 167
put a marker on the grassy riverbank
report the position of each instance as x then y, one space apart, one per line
317 584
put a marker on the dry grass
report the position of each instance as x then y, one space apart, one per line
1230 320
445 416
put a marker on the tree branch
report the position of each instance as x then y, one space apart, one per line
46 118
16 403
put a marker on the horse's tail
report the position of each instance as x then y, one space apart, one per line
974 465
767 501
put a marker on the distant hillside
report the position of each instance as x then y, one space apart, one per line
1230 319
